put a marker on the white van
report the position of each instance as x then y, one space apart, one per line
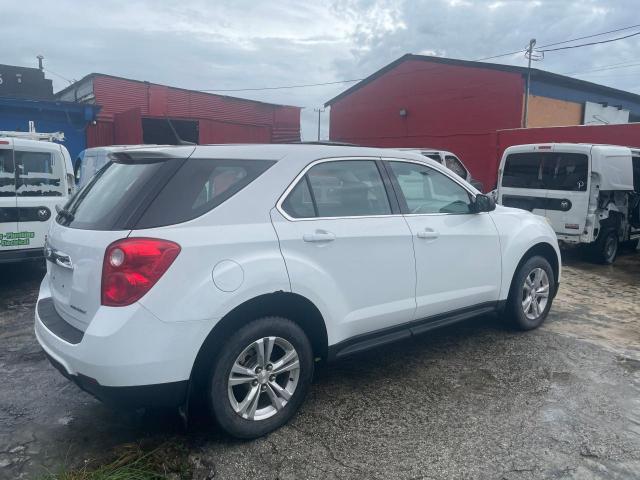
90 160
35 177
590 194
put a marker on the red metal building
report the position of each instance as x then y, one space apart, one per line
135 112
457 105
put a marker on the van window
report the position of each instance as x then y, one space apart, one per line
547 170
7 174
39 174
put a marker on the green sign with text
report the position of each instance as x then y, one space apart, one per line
16 239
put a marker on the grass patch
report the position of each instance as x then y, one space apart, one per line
133 462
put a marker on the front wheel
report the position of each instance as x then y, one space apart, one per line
531 294
261 377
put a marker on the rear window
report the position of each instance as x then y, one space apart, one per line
149 193
199 186
546 170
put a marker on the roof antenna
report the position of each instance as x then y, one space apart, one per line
175 133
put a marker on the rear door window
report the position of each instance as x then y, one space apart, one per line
299 203
39 174
348 188
548 170
566 171
343 188
523 170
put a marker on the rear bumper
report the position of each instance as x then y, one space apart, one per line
126 356
171 394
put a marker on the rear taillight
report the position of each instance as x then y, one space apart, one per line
132 266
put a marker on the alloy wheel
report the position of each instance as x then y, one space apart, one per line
263 378
535 293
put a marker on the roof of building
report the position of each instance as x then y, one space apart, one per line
535 73
52 105
93 75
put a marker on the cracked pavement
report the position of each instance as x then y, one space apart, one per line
475 400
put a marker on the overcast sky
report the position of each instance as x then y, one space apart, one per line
246 44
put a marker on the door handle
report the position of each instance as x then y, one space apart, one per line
428 234
319 236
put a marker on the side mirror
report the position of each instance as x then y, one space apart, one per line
484 203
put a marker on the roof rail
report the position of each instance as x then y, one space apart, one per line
49 137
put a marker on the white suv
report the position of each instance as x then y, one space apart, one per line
226 272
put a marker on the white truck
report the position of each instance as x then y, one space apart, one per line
36 175
590 194
449 160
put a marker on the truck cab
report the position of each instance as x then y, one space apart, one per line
449 160
35 177
590 194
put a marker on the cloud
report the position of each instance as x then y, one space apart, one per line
246 44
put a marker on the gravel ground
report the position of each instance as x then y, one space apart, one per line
475 400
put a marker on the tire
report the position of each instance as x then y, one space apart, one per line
631 245
230 393
535 269
605 248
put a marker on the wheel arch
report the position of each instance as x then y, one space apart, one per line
293 306
546 251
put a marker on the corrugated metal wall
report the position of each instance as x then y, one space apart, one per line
447 107
222 119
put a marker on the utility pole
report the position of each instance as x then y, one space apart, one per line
319 110
529 54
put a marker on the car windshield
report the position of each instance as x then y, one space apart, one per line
546 170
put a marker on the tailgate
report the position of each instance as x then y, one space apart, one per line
74 270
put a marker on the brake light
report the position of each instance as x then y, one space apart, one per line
132 266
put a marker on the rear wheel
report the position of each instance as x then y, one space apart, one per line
261 377
605 248
631 244
531 294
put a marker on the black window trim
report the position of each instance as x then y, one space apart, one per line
400 196
302 176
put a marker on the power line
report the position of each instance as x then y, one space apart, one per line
499 56
280 87
58 75
590 43
603 68
589 36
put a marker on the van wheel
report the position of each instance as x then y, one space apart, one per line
631 245
605 248
531 294
261 377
